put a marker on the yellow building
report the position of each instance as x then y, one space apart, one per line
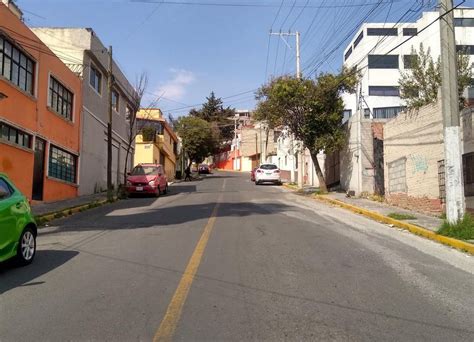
156 142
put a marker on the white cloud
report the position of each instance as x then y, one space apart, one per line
176 87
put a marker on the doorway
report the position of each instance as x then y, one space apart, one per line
38 170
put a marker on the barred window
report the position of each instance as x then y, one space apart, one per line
387 112
95 79
62 165
384 91
16 66
115 100
60 98
465 49
15 135
464 22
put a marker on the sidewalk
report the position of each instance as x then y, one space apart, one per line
429 222
53 207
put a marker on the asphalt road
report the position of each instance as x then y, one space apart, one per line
269 265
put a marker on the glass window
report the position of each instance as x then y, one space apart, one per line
348 53
465 49
381 31
384 91
408 61
144 170
16 66
410 31
383 61
60 98
5 190
468 172
268 167
95 79
464 22
15 135
115 100
386 112
62 165
366 113
358 39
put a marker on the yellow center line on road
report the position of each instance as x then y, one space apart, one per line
173 313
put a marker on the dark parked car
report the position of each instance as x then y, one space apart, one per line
204 169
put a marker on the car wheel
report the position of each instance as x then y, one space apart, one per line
26 247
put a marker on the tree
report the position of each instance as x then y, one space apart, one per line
214 112
312 109
198 138
419 86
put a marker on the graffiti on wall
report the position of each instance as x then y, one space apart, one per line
420 164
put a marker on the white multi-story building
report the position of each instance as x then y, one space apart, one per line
371 52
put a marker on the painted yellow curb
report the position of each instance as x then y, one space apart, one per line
69 211
426 233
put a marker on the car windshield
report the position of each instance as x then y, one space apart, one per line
268 167
144 170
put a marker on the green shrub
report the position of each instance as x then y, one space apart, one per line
464 229
401 216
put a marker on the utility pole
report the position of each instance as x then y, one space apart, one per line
300 151
109 128
235 141
455 202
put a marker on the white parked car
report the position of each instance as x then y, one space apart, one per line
268 173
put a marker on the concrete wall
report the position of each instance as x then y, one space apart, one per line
352 178
413 146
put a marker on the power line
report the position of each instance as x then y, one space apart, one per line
288 15
261 5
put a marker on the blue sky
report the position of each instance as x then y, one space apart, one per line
189 51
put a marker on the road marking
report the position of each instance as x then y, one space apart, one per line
173 312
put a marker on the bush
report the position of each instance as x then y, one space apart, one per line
463 230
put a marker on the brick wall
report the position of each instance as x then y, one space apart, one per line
415 137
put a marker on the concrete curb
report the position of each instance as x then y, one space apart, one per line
290 186
426 233
48 217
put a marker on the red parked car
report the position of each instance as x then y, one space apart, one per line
147 179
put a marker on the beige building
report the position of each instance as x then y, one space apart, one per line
156 142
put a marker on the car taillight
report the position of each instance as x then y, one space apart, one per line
276 171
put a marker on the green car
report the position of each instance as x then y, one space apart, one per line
17 226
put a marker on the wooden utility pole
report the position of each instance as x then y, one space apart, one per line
109 128
455 202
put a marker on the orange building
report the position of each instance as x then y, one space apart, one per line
40 113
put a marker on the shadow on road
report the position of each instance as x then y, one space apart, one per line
139 213
12 276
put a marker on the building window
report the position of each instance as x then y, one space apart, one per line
348 53
128 113
470 90
358 39
115 100
60 99
384 91
386 112
16 66
62 165
381 31
383 61
464 22
366 113
95 79
465 49
410 31
468 171
397 181
346 114
14 135
409 61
